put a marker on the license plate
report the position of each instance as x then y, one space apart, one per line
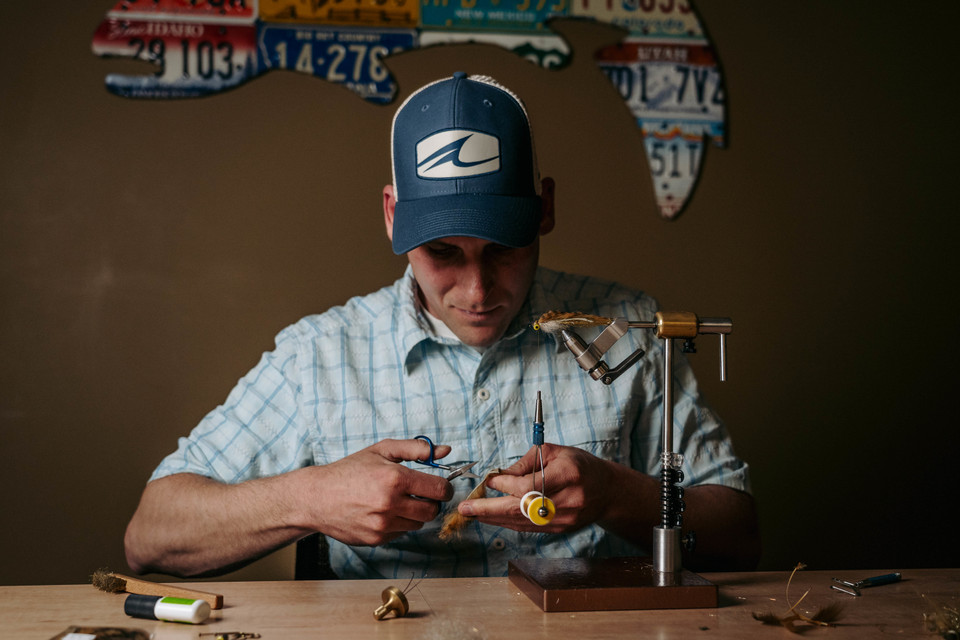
666 79
242 11
352 57
548 51
494 15
675 151
392 13
192 59
651 18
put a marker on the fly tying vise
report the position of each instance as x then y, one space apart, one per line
668 326
535 505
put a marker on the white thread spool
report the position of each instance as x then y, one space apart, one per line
530 505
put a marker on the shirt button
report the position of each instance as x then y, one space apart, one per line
498 544
483 394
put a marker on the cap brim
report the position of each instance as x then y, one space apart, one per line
512 221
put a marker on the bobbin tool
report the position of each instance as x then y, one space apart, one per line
535 505
462 471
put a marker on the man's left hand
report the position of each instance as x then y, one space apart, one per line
580 485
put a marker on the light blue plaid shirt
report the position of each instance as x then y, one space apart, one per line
373 369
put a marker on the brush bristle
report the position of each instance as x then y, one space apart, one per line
105 581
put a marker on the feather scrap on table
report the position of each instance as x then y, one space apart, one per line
556 321
824 617
944 619
454 521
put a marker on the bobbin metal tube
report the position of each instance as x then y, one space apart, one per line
667 556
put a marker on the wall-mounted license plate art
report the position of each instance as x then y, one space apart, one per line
665 68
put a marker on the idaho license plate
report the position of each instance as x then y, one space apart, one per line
192 58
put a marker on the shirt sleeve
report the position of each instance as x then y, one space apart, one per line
256 432
701 436
698 432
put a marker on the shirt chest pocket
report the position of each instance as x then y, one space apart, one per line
605 438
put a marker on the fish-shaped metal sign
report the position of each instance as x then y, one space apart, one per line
665 69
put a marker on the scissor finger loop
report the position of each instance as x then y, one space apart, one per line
429 461
456 472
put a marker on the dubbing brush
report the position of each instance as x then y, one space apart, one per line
105 580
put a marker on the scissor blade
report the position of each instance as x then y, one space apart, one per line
463 471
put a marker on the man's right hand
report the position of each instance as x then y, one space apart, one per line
190 525
368 499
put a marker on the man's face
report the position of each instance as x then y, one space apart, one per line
474 286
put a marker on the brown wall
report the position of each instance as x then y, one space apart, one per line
150 251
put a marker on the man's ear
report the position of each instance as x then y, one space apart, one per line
389 205
547 216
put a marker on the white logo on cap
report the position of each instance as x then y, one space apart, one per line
457 153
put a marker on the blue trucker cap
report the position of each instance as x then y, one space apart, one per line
464 164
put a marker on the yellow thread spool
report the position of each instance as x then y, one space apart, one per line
530 506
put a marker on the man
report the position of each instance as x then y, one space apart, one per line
320 435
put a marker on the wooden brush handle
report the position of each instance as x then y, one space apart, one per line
147 588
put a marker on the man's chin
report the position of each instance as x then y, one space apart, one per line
479 337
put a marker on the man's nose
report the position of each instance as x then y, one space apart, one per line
477 281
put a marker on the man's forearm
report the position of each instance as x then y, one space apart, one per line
189 525
724 520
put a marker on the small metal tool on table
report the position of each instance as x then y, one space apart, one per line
463 471
853 588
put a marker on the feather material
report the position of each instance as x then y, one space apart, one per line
824 617
556 321
454 521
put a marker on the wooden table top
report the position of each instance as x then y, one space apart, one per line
494 608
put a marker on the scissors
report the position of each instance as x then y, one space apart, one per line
457 472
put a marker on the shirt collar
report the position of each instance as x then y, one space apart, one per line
412 326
